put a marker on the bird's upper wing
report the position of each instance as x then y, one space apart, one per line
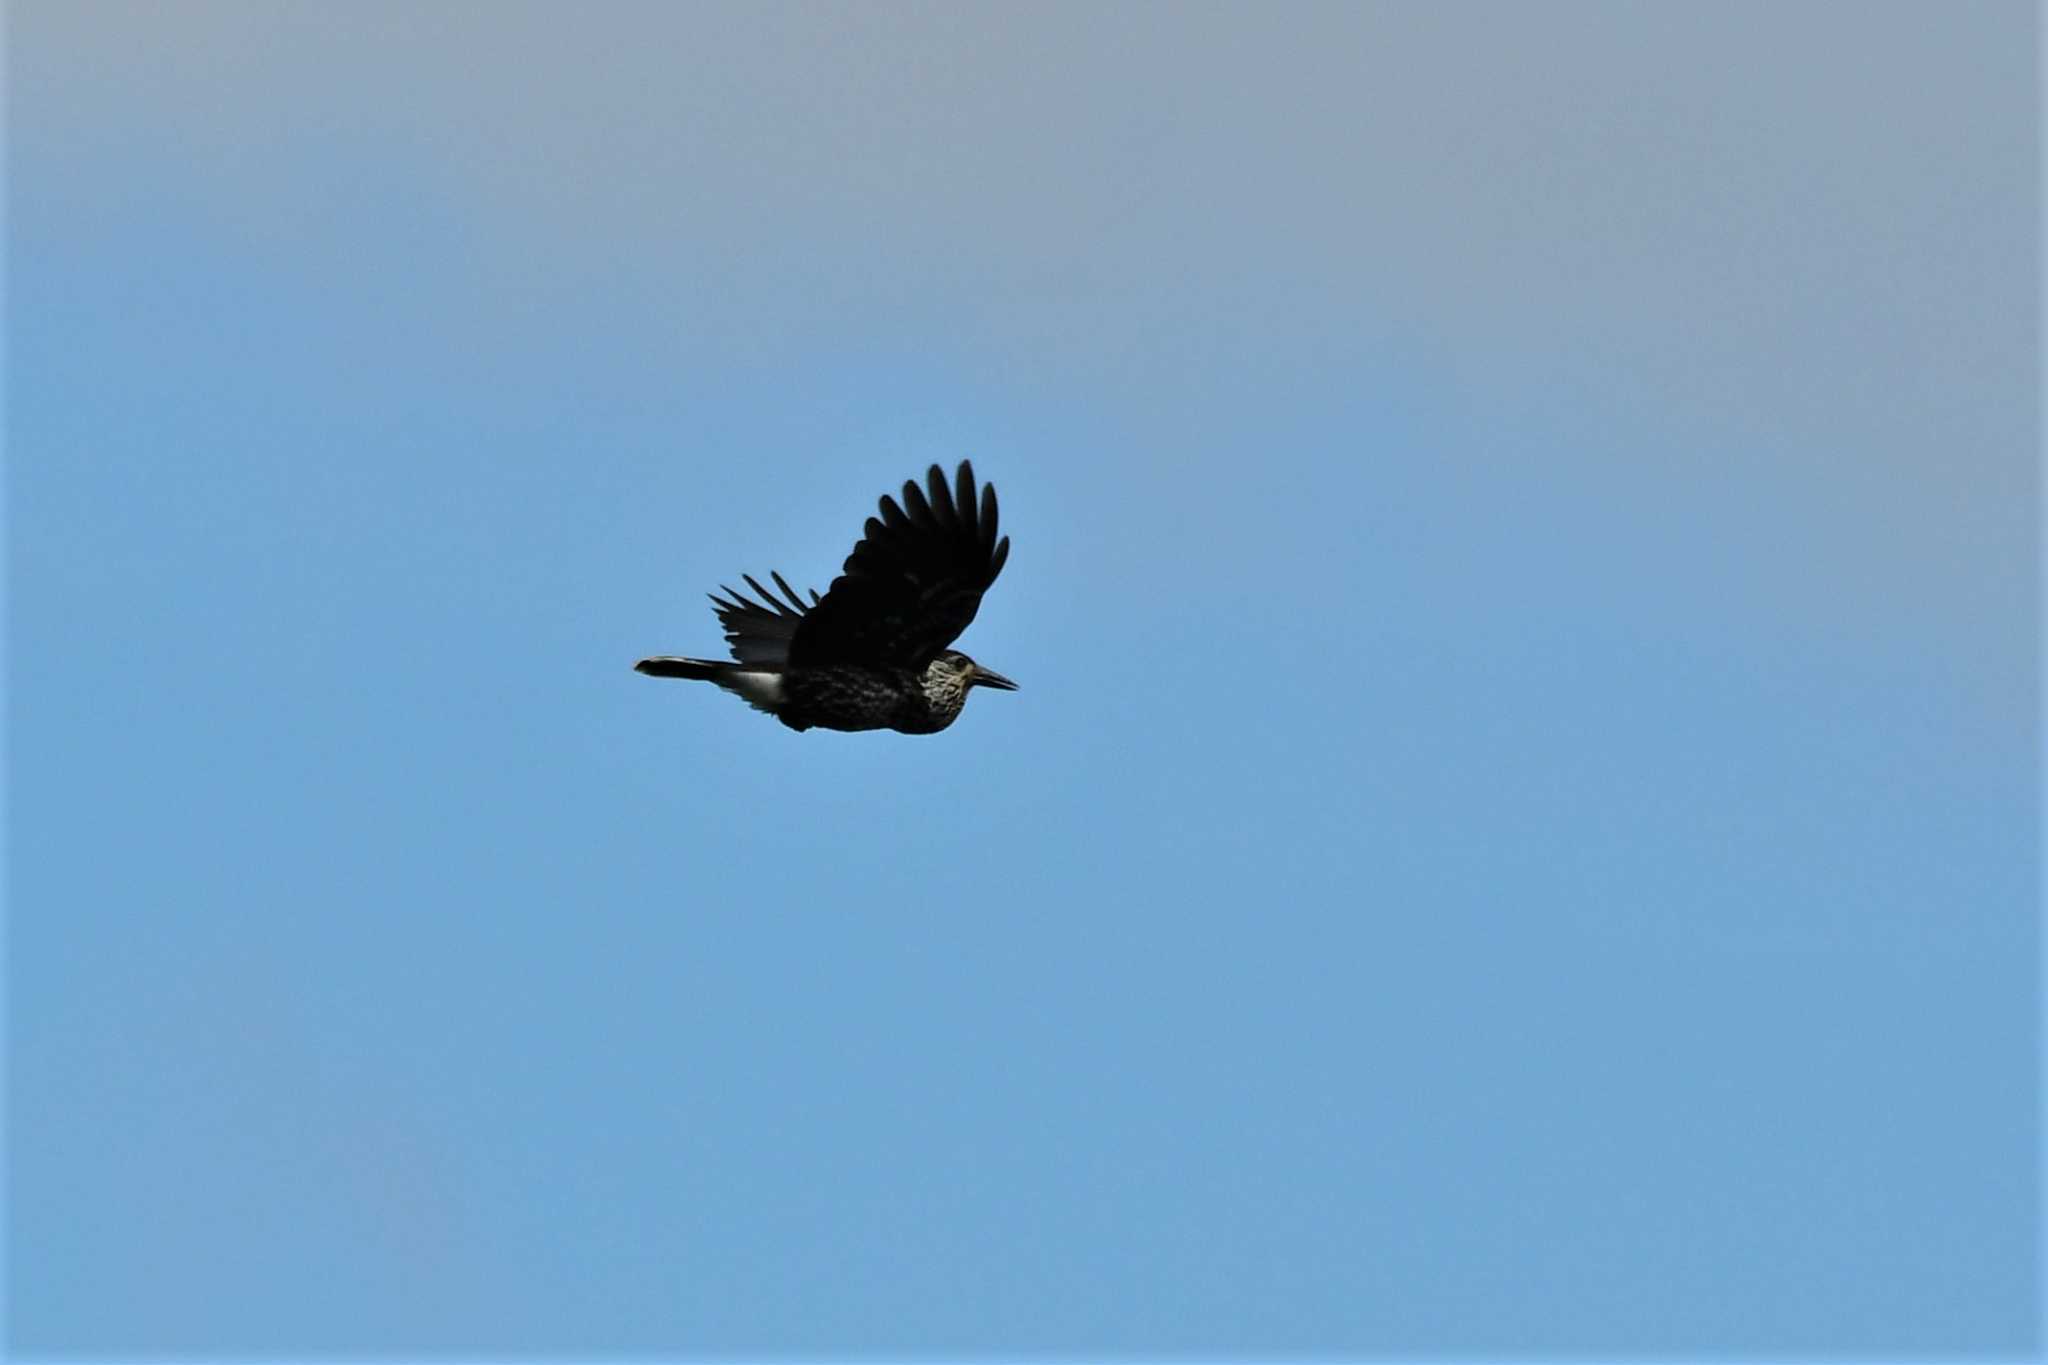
761 634
913 583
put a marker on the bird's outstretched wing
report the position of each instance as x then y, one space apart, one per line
913 583
760 634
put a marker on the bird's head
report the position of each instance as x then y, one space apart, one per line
965 673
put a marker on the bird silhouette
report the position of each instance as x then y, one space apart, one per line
874 652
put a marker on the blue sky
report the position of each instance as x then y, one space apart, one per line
1517 837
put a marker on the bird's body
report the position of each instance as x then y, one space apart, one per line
856 697
837 696
872 653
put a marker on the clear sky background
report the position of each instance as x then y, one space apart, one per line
1517 836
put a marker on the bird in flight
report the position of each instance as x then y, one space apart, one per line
873 652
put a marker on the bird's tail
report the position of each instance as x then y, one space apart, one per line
668 666
759 685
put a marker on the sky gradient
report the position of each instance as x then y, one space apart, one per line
1518 834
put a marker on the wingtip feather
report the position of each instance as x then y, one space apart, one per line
941 498
795 598
916 508
990 515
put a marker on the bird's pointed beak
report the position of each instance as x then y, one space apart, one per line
988 677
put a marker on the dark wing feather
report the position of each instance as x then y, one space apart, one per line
758 633
913 583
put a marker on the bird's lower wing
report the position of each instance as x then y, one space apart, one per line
760 632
